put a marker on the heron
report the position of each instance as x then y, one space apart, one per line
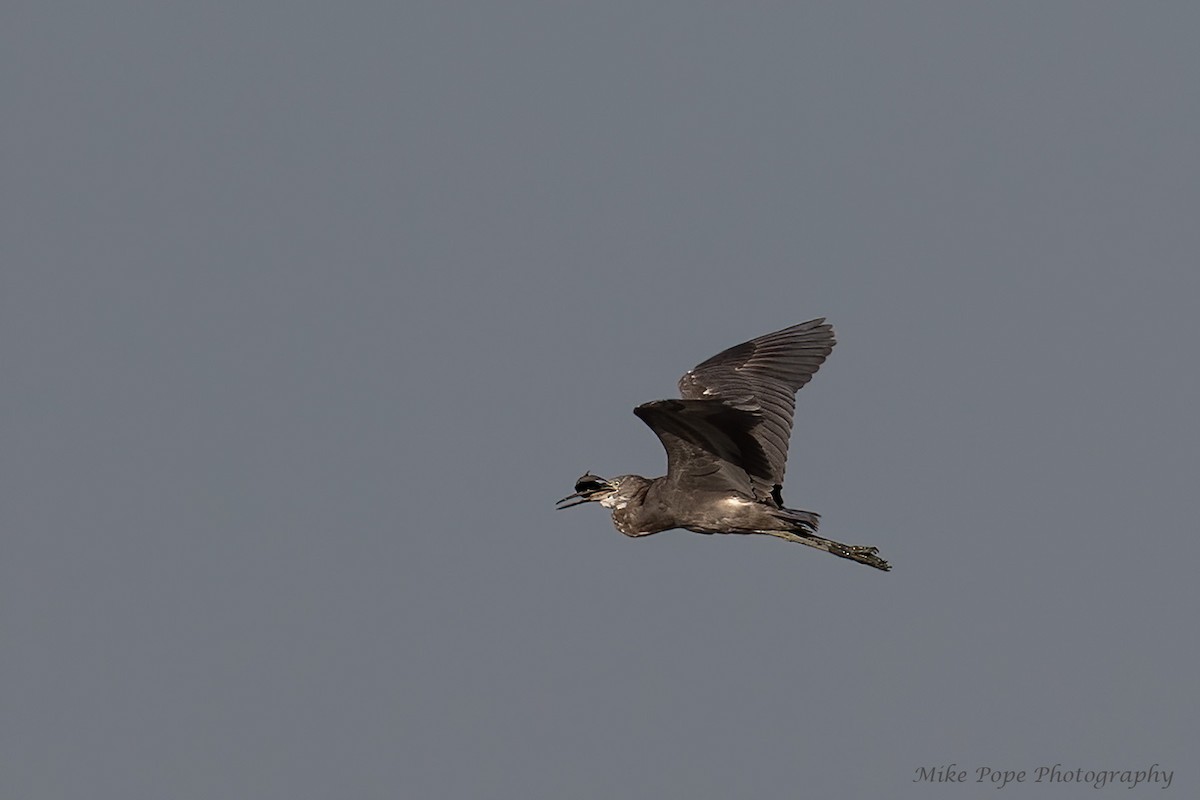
726 439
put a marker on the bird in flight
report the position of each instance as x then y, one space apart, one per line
727 442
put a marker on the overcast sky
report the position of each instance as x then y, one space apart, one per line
309 313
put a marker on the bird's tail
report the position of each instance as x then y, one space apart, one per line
802 522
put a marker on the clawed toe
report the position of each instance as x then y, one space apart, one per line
864 555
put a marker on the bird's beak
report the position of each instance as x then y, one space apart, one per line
588 489
579 497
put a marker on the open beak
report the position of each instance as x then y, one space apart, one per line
588 489
579 497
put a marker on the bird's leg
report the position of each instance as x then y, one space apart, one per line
854 552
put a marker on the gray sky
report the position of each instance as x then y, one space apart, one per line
309 313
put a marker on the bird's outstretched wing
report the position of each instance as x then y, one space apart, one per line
737 407
710 445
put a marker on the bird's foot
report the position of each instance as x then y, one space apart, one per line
861 554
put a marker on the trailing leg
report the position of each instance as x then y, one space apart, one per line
854 552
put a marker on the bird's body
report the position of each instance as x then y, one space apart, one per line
726 440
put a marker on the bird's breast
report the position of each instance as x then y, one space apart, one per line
634 522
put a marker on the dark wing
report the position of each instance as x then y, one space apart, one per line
710 445
759 379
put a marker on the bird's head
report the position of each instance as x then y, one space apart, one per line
594 489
